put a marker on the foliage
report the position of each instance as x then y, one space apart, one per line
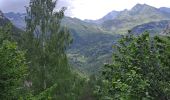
67 89
13 67
6 33
140 70
46 42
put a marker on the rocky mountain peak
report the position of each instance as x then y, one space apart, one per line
142 8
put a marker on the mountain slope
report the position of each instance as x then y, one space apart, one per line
92 42
4 22
17 19
164 9
3 19
154 28
110 16
91 47
139 14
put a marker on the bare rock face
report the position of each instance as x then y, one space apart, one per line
166 31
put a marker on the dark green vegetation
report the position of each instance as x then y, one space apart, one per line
46 41
13 66
48 61
48 76
140 70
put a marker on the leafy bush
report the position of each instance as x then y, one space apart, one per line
12 70
140 70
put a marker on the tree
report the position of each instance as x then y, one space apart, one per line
46 42
139 70
13 66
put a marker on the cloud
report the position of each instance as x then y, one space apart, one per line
19 5
85 9
67 4
94 9
13 5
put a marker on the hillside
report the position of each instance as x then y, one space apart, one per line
110 16
50 51
91 47
93 39
3 19
16 32
154 28
17 19
139 14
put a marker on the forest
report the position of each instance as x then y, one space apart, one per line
48 60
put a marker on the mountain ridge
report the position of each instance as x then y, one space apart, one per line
154 28
108 16
139 14
90 42
92 45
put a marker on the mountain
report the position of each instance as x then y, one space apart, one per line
83 28
91 47
17 19
154 28
110 16
3 19
164 9
139 14
166 31
93 40
115 22
16 32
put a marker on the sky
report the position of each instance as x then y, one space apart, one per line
85 9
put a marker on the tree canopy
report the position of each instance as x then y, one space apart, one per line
140 70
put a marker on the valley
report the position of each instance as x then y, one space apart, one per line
45 55
93 39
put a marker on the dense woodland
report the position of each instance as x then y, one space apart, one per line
34 63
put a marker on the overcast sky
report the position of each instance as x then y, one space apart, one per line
85 9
